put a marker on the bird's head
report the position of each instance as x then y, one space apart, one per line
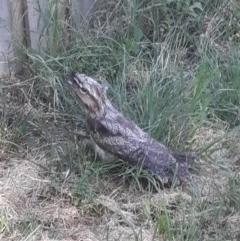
91 93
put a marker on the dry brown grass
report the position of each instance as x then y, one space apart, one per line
32 207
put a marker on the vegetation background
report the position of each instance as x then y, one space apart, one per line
171 66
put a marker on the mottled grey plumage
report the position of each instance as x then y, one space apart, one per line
112 133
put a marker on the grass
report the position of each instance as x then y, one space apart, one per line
173 68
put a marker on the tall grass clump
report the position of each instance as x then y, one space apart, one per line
112 52
157 58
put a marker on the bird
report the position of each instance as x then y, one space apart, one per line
115 135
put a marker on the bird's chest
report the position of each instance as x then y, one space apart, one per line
97 129
107 135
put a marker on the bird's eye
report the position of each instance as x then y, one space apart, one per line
84 90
